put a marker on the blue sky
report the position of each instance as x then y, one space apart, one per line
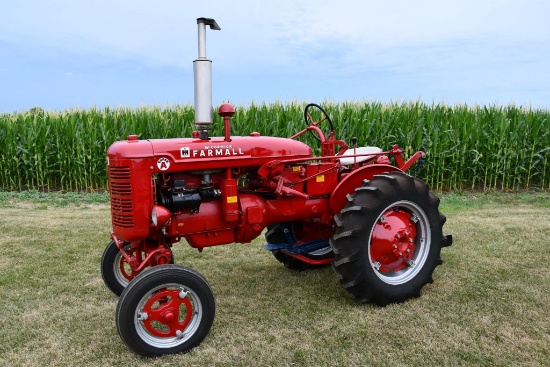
63 54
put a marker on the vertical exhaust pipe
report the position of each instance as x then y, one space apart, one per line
202 71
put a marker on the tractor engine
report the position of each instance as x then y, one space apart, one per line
182 194
183 187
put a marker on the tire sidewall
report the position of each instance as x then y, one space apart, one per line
108 260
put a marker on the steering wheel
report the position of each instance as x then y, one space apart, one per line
309 119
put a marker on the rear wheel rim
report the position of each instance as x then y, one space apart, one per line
399 242
168 315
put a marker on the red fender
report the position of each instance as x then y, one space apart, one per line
352 181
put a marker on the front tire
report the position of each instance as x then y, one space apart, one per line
164 310
389 239
115 271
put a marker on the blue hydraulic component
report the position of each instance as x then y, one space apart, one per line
292 248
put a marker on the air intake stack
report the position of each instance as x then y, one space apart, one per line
202 70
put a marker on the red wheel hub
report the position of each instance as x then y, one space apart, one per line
138 260
393 241
167 313
127 267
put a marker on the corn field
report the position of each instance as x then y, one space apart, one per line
468 148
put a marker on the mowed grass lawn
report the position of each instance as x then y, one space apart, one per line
489 304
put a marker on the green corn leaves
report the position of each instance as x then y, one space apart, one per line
480 147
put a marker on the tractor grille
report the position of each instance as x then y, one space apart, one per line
121 197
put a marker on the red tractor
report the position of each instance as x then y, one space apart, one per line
352 207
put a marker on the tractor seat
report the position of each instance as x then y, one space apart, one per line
347 157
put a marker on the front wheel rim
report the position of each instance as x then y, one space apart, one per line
122 269
399 242
168 315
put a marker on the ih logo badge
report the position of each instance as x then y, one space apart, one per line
185 152
163 164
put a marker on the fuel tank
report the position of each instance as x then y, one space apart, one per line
188 154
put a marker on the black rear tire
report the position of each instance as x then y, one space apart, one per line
166 309
389 239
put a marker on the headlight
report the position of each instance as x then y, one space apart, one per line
160 215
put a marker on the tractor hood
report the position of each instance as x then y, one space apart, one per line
174 155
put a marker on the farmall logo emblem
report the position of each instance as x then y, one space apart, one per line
211 151
163 164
